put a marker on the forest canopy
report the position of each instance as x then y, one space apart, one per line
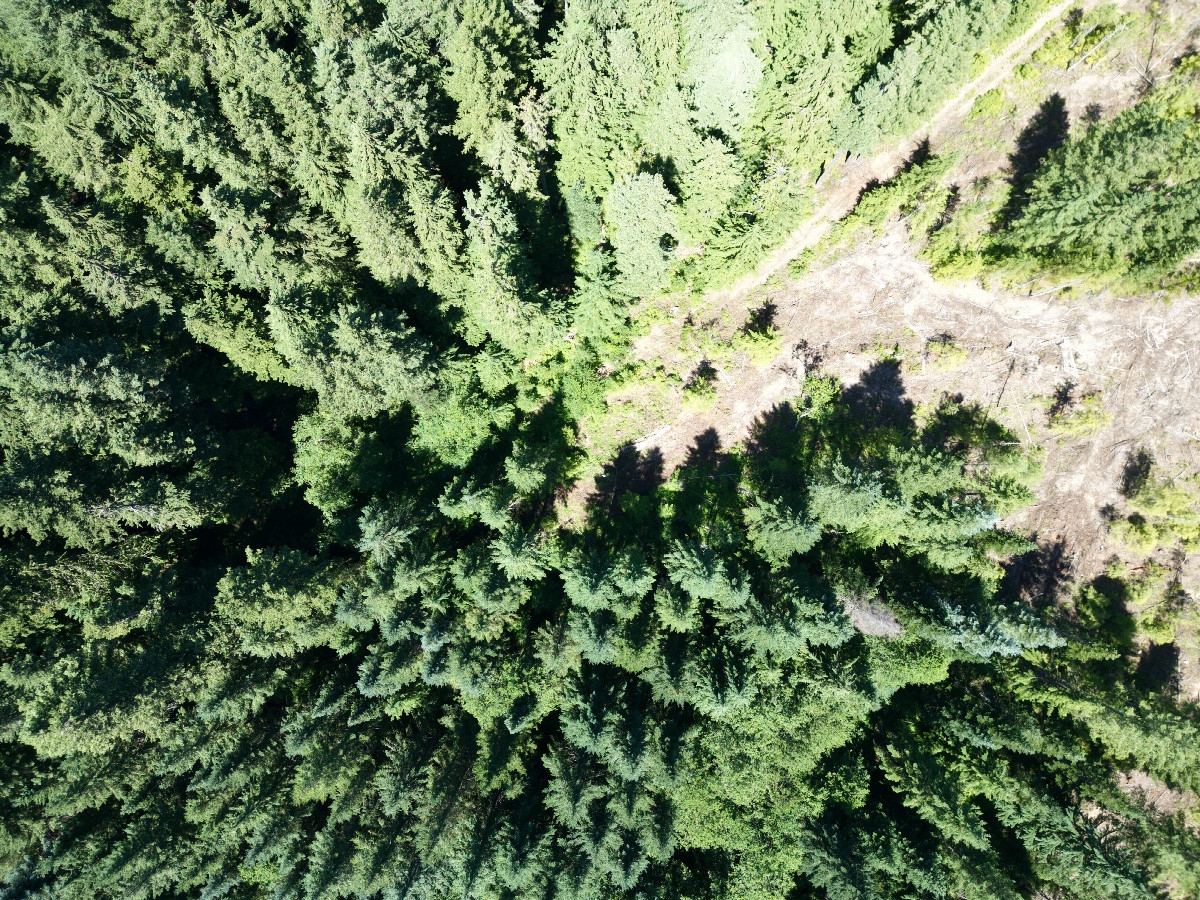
303 306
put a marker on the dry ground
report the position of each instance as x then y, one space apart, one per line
1142 355
1109 83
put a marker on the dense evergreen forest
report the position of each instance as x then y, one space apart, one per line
303 304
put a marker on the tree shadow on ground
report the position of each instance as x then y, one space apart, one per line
921 154
1102 610
1045 131
630 471
1062 400
702 378
879 398
708 485
1157 669
771 447
627 484
1136 472
1039 576
860 425
705 453
761 319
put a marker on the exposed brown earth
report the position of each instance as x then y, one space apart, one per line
1022 346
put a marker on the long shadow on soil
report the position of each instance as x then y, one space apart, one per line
1046 130
1039 576
879 398
920 155
626 489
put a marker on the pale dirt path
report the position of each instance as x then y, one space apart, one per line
672 436
856 175
1142 356
743 394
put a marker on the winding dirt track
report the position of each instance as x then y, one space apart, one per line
858 174
747 393
1141 355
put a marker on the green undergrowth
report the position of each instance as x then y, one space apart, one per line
1085 417
1163 513
1113 207
916 188
1081 36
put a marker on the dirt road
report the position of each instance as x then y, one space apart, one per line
856 175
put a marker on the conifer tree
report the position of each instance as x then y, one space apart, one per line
307 312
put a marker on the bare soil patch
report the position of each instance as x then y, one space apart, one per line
1015 352
1021 354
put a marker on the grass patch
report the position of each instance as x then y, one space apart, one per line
1086 418
904 194
759 337
1079 40
990 105
700 390
945 355
1163 513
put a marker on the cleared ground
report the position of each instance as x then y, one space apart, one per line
873 315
